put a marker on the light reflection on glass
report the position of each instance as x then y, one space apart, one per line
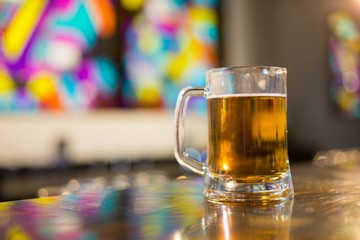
243 221
226 222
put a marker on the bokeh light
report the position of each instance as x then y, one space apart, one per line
344 63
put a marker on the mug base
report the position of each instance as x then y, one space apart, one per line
231 190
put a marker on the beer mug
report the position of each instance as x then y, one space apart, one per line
247 156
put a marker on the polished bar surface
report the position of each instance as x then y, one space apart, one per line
326 205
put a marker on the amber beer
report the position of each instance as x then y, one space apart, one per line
247 137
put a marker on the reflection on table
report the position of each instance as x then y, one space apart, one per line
326 206
242 221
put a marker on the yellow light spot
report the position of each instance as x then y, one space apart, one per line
203 14
195 49
5 205
132 5
177 66
347 100
149 96
17 232
7 85
20 29
225 167
42 86
46 200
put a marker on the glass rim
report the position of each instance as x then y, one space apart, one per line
232 68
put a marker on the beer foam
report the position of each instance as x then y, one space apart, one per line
247 95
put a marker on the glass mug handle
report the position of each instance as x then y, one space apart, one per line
181 156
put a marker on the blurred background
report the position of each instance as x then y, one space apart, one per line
88 87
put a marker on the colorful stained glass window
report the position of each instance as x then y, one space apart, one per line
67 55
